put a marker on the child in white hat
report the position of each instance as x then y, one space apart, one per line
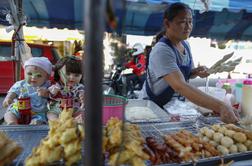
34 86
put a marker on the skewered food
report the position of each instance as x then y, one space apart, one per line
124 143
228 138
189 147
63 142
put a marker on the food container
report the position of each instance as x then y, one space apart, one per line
246 103
158 130
113 106
140 111
218 93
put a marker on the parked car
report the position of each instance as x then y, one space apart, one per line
7 64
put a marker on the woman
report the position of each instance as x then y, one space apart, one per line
171 66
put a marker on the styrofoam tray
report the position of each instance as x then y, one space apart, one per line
157 130
160 114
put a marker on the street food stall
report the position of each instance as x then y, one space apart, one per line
150 137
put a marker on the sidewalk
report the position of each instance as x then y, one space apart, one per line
1 107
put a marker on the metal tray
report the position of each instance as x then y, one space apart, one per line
162 115
28 137
156 130
159 129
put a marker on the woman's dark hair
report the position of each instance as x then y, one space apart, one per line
173 10
73 65
159 35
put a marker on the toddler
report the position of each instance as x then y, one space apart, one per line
68 91
37 72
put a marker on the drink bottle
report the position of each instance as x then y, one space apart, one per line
24 107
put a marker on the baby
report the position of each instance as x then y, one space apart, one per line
37 72
68 91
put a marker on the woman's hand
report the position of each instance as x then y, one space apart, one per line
200 71
228 114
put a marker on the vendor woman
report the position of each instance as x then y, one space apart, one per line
171 66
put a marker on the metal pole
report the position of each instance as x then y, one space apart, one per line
20 16
93 73
17 14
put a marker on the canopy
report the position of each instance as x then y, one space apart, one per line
226 19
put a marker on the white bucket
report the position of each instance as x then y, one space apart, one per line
218 93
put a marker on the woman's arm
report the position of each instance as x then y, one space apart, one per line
178 83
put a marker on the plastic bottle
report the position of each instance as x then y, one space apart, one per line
24 107
66 100
246 103
238 92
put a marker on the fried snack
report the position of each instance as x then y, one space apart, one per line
229 138
239 137
173 143
73 158
9 150
203 145
161 153
233 149
3 140
223 150
63 142
137 161
123 151
227 141
241 147
238 129
184 152
8 159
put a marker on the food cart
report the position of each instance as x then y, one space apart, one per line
30 136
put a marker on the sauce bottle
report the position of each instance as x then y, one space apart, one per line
246 103
66 100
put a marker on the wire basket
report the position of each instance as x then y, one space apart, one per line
113 106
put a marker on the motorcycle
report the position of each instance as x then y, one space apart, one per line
115 83
119 83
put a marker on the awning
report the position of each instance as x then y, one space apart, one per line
227 19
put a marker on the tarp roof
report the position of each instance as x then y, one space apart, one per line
227 19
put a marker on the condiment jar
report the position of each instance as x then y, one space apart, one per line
246 103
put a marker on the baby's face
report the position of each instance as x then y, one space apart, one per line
73 78
35 76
